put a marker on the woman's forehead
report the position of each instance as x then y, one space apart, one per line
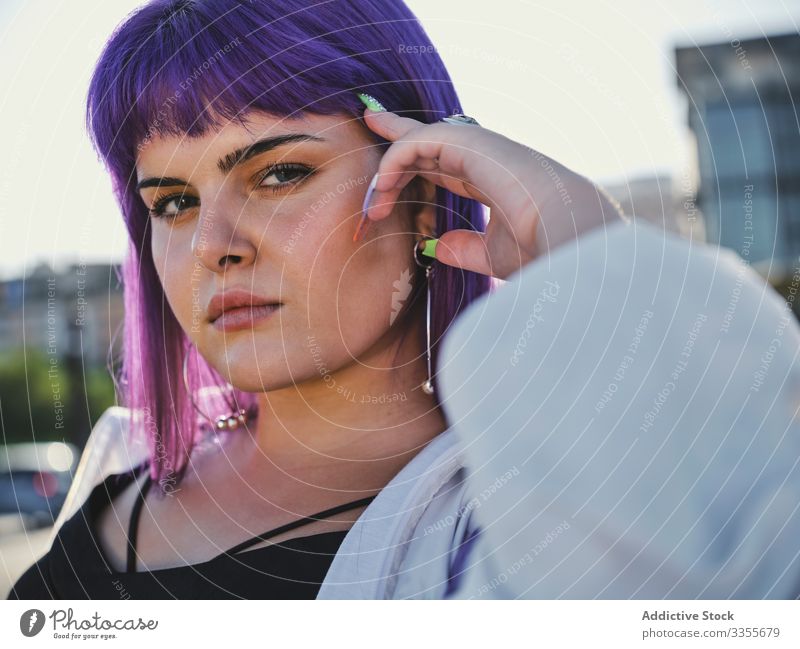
338 132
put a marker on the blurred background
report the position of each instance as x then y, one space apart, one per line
684 111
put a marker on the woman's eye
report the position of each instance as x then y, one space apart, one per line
274 178
179 201
280 175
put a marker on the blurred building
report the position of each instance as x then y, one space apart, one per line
743 111
74 313
57 330
657 199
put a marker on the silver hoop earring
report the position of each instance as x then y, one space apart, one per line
230 421
427 264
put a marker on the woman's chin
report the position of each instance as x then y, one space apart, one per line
251 381
240 365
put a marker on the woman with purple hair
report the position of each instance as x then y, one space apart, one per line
305 206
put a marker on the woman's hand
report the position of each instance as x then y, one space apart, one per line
535 203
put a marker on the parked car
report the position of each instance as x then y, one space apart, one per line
34 480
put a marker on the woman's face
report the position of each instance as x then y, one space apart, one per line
224 217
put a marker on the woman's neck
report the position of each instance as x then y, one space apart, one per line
368 416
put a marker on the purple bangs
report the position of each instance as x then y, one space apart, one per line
183 68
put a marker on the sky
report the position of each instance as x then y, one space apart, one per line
590 84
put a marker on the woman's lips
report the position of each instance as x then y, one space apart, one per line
244 317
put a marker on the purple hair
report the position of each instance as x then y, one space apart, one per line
175 67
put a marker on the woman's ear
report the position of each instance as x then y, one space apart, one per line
421 199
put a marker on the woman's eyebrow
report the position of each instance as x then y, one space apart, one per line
237 157
226 164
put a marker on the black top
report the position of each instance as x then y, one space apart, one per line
75 567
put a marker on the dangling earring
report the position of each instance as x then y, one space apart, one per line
231 421
427 264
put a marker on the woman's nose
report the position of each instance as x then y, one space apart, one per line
219 239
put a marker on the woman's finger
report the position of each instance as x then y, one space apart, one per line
381 204
404 154
466 249
389 126
405 159
450 156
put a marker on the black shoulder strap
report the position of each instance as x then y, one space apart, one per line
302 521
133 526
137 506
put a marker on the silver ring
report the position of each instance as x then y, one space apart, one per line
458 118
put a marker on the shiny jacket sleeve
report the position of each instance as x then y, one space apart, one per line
627 408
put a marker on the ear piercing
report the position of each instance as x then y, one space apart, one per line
424 258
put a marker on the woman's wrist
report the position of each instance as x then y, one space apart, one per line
561 204
571 210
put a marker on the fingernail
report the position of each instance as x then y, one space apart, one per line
363 224
361 230
430 248
371 103
368 195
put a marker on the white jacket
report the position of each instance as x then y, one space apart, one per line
623 425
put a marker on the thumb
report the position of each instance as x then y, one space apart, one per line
464 249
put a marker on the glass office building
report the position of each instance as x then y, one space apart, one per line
743 110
